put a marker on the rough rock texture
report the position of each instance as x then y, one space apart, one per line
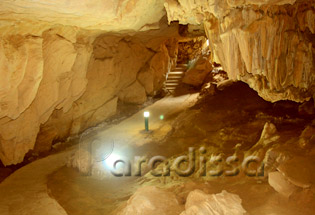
58 86
223 203
196 75
307 138
59 73
189 50
268 44
281 184
134 94
44 74
81 160
153 74
152 201
299 171
106 15
268 137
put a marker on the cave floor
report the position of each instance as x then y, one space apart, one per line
231 121
26 191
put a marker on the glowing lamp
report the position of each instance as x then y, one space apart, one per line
146 115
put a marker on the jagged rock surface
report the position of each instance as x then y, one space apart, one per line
196 75
152 201
59 76
109 15
267 44
56 88
222 203
281 184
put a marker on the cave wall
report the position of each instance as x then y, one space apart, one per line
269 44
57 86
41 74
102 15
64 65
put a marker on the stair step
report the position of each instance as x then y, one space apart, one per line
181 65
173 81
176 73
171 84
174 78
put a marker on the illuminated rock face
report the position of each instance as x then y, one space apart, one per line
151 201
55 86
42 74
107 15
270 47
58 76
225 203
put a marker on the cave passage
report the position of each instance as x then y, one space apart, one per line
160 107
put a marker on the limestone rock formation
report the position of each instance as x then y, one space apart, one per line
268 136
134 94
307 138
59 68
196 75
153 74
88 14
81 160
152 201
267 44
223 203
64 64
58 87
281 184
190 50
299 171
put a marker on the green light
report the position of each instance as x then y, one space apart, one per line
161 117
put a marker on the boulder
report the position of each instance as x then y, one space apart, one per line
307 138
223 203
278 182
196 75
299 171
152 201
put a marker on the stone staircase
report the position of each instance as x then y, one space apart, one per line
174 77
